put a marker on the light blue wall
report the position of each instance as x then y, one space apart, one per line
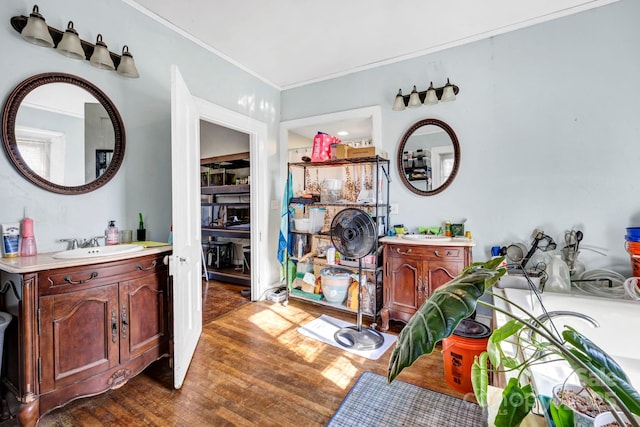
144 182
547 119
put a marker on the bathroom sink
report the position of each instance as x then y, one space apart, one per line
426 237
97 251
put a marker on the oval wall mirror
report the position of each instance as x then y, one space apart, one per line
428 157
63 133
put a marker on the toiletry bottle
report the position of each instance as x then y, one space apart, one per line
28 243
331 255
300 248
558 272
112 234
10 240
447 228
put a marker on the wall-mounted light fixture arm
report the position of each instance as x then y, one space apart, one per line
431 95
19 22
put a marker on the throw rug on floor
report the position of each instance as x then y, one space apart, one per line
324 327
371 402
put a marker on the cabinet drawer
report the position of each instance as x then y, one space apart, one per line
426 252
88 276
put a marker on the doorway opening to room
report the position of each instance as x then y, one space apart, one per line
225 181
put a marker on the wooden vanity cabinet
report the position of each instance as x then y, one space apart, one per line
413 272
95 327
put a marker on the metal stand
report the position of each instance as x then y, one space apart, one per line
357 337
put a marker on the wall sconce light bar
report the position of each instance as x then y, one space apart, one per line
431 95
20 22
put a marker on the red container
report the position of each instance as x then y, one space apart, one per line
634 250
459 350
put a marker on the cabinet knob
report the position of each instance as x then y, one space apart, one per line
408 251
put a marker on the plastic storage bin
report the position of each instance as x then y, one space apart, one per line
316 219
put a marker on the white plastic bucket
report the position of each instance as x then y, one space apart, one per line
5 319
335 284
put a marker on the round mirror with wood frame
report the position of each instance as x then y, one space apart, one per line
428 157
62 133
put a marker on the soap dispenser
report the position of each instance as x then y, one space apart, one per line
112 234
28 243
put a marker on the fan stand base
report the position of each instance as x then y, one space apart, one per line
359 338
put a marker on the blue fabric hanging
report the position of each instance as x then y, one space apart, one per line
285 214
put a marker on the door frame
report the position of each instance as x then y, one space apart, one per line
258 134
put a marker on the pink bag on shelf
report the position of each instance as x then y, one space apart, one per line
322 147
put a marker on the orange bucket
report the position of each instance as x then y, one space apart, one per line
634 250
468 340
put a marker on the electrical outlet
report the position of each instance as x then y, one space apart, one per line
394 208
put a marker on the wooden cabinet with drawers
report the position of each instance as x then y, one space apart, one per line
413 271
83 330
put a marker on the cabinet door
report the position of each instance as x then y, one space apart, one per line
143 316
437 273
405 286
78 335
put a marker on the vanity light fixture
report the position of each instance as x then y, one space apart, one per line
101 57
414 98
35 30
70 44
127 66
448 93
431 96
398 104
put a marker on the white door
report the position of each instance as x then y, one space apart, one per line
185 265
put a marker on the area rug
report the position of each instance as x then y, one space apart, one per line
324 327
371 402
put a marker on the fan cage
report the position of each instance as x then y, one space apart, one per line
354 233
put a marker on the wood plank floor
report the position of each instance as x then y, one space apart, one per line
251 368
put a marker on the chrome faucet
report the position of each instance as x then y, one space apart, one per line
73 243
91 242
551 314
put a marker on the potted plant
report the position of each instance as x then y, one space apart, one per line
141 233
441 313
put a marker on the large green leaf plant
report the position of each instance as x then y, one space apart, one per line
441 313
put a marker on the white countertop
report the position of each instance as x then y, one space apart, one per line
444 241
45 261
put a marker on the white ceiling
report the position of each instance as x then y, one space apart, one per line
288 43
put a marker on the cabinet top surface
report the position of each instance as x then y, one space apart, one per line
454 241
45 261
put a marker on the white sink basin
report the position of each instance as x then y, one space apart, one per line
426 237
97 251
